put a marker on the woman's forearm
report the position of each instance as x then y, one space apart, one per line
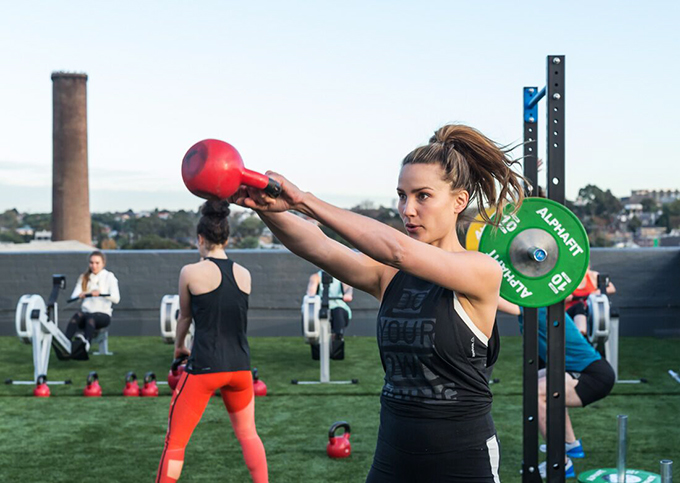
181 330
377 240
300 236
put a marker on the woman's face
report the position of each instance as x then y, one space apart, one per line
96 264
427 205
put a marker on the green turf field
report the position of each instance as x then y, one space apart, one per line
69 438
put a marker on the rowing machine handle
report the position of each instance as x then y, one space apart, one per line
87 296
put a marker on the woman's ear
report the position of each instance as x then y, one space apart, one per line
460 201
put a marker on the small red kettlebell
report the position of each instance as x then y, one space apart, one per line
339 446
259 387
92 389
176 371
150 388
41 389
131 386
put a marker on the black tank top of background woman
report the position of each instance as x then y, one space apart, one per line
221 318
435 358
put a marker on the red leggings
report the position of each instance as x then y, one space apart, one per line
189 401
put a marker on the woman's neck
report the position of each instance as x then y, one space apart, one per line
449 243
216 253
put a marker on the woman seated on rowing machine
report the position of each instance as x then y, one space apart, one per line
97 288
340 314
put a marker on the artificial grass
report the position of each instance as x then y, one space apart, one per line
69 438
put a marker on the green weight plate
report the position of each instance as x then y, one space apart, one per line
543 250
609 475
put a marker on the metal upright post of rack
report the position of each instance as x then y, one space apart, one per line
530 336
556 344
554 91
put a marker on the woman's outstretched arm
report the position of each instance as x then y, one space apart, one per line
471 273
306 240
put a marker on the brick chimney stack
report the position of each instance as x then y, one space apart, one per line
70 189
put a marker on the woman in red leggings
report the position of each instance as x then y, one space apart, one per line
214 292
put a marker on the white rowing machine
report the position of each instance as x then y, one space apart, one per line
316 328
603 328
37 324
169 316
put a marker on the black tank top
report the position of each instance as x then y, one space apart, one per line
435 359
221 318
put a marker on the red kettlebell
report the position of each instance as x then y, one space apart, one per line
92 389
176 370
339 446
41 389
214 169
131 386
259 387
150 388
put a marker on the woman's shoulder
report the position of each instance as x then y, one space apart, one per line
241 270
196 266
483 265
242 277
107 273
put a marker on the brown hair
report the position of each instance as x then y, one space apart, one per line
214 225
475 163
86 275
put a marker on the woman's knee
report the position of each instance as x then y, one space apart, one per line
77 317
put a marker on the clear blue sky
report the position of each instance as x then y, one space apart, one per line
331 94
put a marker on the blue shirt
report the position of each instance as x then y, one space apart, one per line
579 354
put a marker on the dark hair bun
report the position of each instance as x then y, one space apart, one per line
214 224
216 208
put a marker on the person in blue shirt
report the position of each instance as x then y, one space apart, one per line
588 377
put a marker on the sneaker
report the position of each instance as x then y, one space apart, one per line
573 450
79 348
569 471
85 341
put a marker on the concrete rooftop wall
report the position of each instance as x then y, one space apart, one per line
648 283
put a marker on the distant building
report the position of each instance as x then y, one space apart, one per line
669 241
26 231
660 196
43 235
652 231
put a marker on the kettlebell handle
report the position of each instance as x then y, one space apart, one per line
130 376
337 425
91 377
178 362
148 377
255 376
